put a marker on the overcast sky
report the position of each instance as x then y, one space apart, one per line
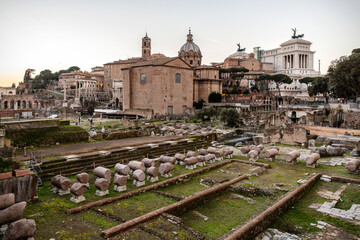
52 34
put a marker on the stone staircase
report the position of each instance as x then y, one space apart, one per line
108 158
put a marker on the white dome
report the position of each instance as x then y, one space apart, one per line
239 55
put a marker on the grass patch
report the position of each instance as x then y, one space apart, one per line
137 205
297 219
350 196
224 214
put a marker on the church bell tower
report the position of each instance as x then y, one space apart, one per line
146 47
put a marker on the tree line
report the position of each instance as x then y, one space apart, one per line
43 79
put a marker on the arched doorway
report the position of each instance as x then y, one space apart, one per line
117 103
23 104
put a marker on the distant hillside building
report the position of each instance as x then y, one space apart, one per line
7 91
69 79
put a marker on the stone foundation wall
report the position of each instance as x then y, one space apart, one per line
351 120
258 224
25 187
34 124
48 136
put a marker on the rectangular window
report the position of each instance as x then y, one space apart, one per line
143 78
177 78
170 110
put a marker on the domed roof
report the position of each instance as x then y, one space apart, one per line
190 45
239 55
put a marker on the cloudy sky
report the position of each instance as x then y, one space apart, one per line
50 34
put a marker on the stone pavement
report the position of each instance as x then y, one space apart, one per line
97 146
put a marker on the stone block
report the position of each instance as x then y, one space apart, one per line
101 193
77 199
120 188
138 183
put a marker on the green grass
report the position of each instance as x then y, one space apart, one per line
137 205
297 219
97 220
224 214
350 196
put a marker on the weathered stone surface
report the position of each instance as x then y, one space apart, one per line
260 146
271 153
253 154
311 143
78 189
102 184
24 188
164 159
272 134
165 168
228 152
12 213
20 229
312 158
135 165
61 182
329 151
6 200
245 149
190 161
355 153
83 177
200 158
148 162
292 156
102 172
219 153
139 175
275 147
211 150
322 139
152 171
255 148
120 180
180 157
122 169
203 151
258 140
353 165
294 135
209 157
191 154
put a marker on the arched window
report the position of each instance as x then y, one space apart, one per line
177 78
143 78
